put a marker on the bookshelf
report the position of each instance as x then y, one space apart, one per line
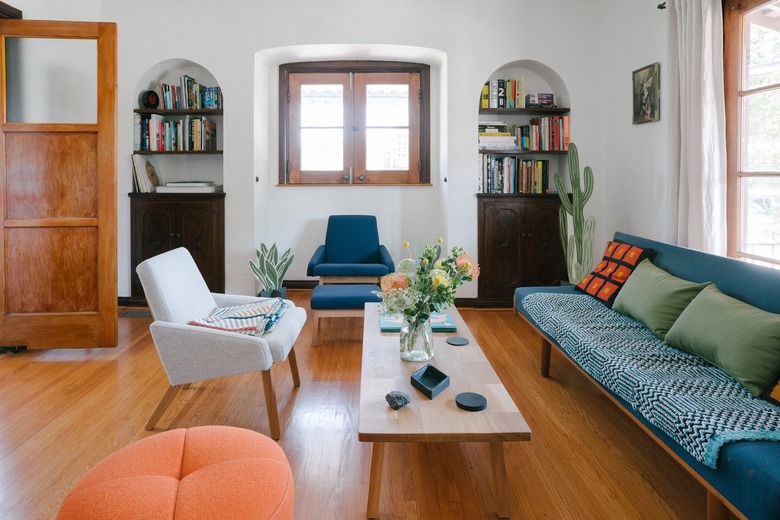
517 214
180 136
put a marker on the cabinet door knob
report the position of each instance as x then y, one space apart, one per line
505 246
530 235
156 246
522 235
346 178
362 177
197 246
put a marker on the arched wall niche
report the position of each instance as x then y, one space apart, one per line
183 167
536 76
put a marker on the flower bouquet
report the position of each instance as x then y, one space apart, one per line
421 286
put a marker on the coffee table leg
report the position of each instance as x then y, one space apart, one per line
375 479
499 476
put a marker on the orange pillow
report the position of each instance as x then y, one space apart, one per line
619 261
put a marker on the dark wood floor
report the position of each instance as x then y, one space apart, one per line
63 410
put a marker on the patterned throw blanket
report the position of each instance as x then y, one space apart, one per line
694 402
253 319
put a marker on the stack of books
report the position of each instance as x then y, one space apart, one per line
190 187
494 136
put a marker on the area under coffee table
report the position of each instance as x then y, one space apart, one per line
437 420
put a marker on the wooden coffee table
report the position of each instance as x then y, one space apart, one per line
437 420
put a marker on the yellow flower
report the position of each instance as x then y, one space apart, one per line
439 278
406 245
425 261
440 240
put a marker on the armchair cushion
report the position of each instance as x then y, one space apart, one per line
253 319
351 248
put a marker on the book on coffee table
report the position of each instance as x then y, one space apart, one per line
440 322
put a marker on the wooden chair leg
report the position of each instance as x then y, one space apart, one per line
294 367
716 509
165 402
317 330
270 404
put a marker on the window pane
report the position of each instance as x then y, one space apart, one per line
761 220
322 106
322 149
387 105
761 143
387 149
51 80
763 41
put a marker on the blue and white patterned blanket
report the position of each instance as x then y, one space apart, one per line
694 402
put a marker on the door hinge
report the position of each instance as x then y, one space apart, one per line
419 96
288 96
287 167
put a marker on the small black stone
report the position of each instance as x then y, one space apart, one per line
397 399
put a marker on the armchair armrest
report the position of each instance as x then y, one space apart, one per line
229 300
385 258
317 258
189 353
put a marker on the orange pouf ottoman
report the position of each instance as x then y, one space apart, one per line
197 473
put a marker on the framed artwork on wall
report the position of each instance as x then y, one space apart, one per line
647 93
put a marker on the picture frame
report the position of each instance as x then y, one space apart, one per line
647 93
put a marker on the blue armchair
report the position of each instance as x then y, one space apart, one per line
351 253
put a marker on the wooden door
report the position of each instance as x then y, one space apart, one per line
58 202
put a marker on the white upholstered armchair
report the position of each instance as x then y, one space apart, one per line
177 294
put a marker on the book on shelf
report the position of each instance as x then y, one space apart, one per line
158 133
215 188
440 322
512 174
503 93
146 174
189 95
190 184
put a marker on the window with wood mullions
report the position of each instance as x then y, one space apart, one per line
363 126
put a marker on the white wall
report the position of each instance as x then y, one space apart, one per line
592 44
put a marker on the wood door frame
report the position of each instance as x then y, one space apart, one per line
105 36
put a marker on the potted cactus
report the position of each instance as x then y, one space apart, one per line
270 268
577 247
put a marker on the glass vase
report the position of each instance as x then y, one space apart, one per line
416 340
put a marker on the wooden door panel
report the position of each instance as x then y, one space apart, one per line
58 269
501 254
545 252
31 189
37 261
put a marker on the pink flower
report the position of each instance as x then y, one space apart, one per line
393 281
467 265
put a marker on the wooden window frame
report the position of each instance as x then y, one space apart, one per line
732 67
354 154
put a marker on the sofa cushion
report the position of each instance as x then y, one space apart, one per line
619 261
655 297
741 339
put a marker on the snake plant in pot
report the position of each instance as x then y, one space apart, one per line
577 247
270 268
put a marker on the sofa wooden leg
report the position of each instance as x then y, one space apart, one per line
545 360
270 404
165 402
716 509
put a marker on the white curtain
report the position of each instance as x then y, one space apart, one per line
697 135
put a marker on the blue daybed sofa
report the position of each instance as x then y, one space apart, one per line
746 479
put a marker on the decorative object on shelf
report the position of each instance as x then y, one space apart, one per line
270 269
647 93
421 287
150 99
397 399
577 247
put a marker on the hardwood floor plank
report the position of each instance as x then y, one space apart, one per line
62 411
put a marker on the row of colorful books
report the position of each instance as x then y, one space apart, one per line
190 95
503 93
511 174
550 133
154 132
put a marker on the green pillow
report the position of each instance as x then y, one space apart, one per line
741 339
655 297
